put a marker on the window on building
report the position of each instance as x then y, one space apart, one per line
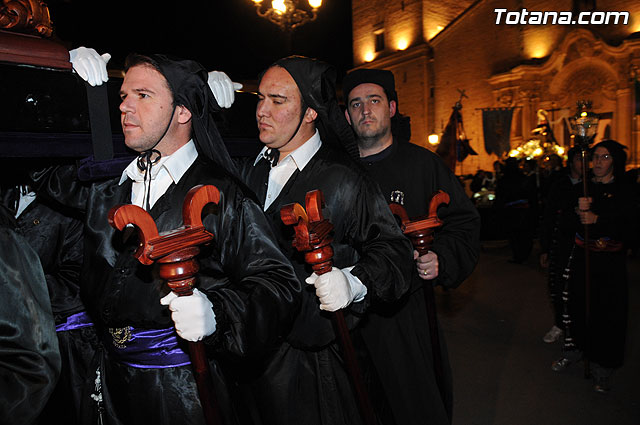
379 40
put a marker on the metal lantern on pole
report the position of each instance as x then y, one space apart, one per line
584 126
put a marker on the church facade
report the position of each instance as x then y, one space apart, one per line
497 54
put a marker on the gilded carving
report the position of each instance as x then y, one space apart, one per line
26 16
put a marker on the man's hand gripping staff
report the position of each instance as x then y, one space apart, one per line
174 252
313 237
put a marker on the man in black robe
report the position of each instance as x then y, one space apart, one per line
246 291
557 235
410 174
308 146
55 234
29 356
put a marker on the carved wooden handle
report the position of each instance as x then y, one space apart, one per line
420 229
312 231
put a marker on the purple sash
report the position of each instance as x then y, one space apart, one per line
146 348
75 321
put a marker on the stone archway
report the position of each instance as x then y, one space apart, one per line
581 68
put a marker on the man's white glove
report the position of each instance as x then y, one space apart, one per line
193 315
223 88
337 289
89 65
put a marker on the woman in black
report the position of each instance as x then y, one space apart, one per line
608 211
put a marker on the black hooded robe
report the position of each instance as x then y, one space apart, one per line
56 236
304 381
29 356
398 335
251 285
604 339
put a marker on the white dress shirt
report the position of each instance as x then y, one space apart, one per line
280 175
169 169
296 160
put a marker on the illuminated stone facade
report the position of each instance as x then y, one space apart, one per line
436 49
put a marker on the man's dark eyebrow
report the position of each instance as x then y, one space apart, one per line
357 99
273 96
141 90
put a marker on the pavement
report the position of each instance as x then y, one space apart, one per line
494 324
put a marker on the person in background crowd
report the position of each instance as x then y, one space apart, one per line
29 356
557 234
609 213
55 234
398 335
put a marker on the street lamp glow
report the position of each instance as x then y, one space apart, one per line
403 44
433 139
315 3
368 57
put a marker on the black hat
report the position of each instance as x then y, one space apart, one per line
316 81
381 77
400 124
187 80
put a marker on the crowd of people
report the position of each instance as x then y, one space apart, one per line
552 204
113 341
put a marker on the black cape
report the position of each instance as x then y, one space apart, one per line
56 236
251 285
398 335
305 380
29 356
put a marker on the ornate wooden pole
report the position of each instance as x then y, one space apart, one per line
313 237
174 252
420 232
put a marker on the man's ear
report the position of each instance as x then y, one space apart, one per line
310 115
392 108
184 114
346 114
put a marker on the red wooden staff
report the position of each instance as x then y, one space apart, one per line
420 231
174 252
313 237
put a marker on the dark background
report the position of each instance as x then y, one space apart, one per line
225 35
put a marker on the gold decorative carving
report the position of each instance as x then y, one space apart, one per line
26 16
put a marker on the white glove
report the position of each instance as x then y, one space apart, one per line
193 315
223 88
337 288
89 65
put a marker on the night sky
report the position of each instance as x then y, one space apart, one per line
225 35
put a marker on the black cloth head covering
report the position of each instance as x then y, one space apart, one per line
187 80
316 81
616 150
400 124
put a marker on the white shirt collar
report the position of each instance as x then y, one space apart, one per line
176 164
300 156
